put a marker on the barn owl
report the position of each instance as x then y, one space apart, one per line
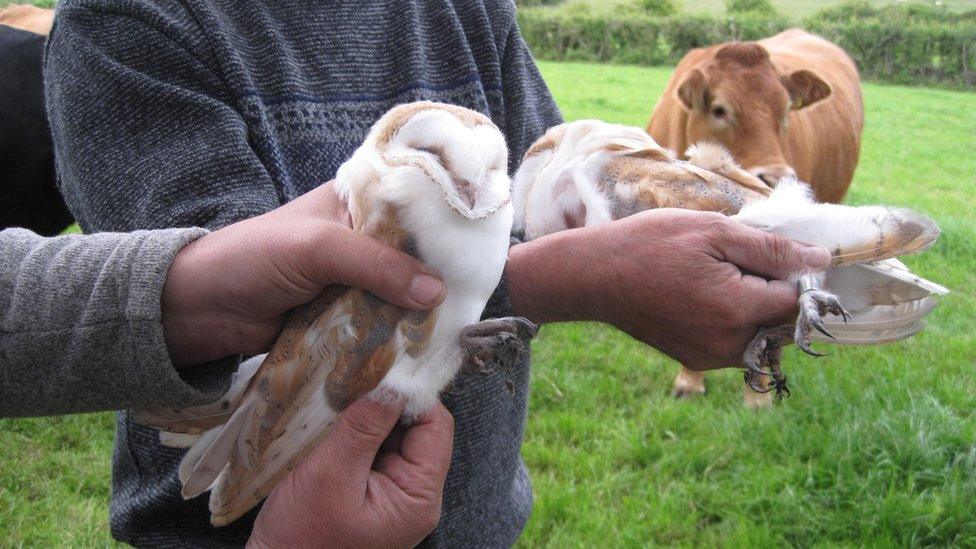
590 172
431 180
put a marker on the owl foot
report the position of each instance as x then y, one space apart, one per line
814 305
493 343
766 351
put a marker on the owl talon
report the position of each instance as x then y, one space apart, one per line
819 326
814 305
497 341
765 349
754 382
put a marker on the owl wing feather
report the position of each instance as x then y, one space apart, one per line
330 353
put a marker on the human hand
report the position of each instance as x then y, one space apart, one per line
227 293
362 486
695 285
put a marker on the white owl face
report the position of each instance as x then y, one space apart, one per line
423 151
468 163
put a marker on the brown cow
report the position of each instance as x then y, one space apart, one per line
785 105
28 18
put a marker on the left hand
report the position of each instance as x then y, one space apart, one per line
228 292
694 285
363 486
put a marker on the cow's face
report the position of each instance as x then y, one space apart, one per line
738 99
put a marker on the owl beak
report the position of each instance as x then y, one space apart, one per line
479 201
467 193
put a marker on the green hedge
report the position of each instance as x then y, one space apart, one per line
920 52
904 49
565 35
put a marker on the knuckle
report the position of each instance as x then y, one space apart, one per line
427 515
360 427
317 238
780 249
393 266
431 519
719 226
443 416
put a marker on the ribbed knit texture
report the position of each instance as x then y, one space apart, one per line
80 327
168 113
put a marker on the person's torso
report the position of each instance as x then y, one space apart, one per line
310 79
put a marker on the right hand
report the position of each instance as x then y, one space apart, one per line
363 486
228 292
695 285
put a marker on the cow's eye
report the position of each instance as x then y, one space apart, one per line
719 112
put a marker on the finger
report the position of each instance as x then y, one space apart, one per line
353 259
425 450
347 453
395 440
321 202
767 254
771 302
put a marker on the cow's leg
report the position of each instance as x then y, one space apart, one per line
689 383
755 399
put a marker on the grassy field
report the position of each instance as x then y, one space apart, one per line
875 448
796 9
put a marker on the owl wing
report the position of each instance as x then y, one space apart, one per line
886 302
641 183
562 184
331 351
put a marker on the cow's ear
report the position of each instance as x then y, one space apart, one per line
805 88
691 92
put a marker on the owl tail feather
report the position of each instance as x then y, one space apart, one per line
886 301
852 234
242 485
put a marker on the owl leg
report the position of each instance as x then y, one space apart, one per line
814 304
495 342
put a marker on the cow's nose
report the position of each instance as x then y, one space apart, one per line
771 175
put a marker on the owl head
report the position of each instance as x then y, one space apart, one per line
422 152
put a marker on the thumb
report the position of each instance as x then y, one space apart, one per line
349 450
354 259
767 254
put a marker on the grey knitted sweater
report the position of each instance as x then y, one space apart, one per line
171 113
80 327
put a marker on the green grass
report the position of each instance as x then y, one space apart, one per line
38 3
795 9
875 448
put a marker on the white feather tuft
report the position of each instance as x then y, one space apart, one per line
711 156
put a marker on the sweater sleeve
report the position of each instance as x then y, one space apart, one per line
80 329
145 133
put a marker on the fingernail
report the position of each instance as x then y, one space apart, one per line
425 289
816 257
